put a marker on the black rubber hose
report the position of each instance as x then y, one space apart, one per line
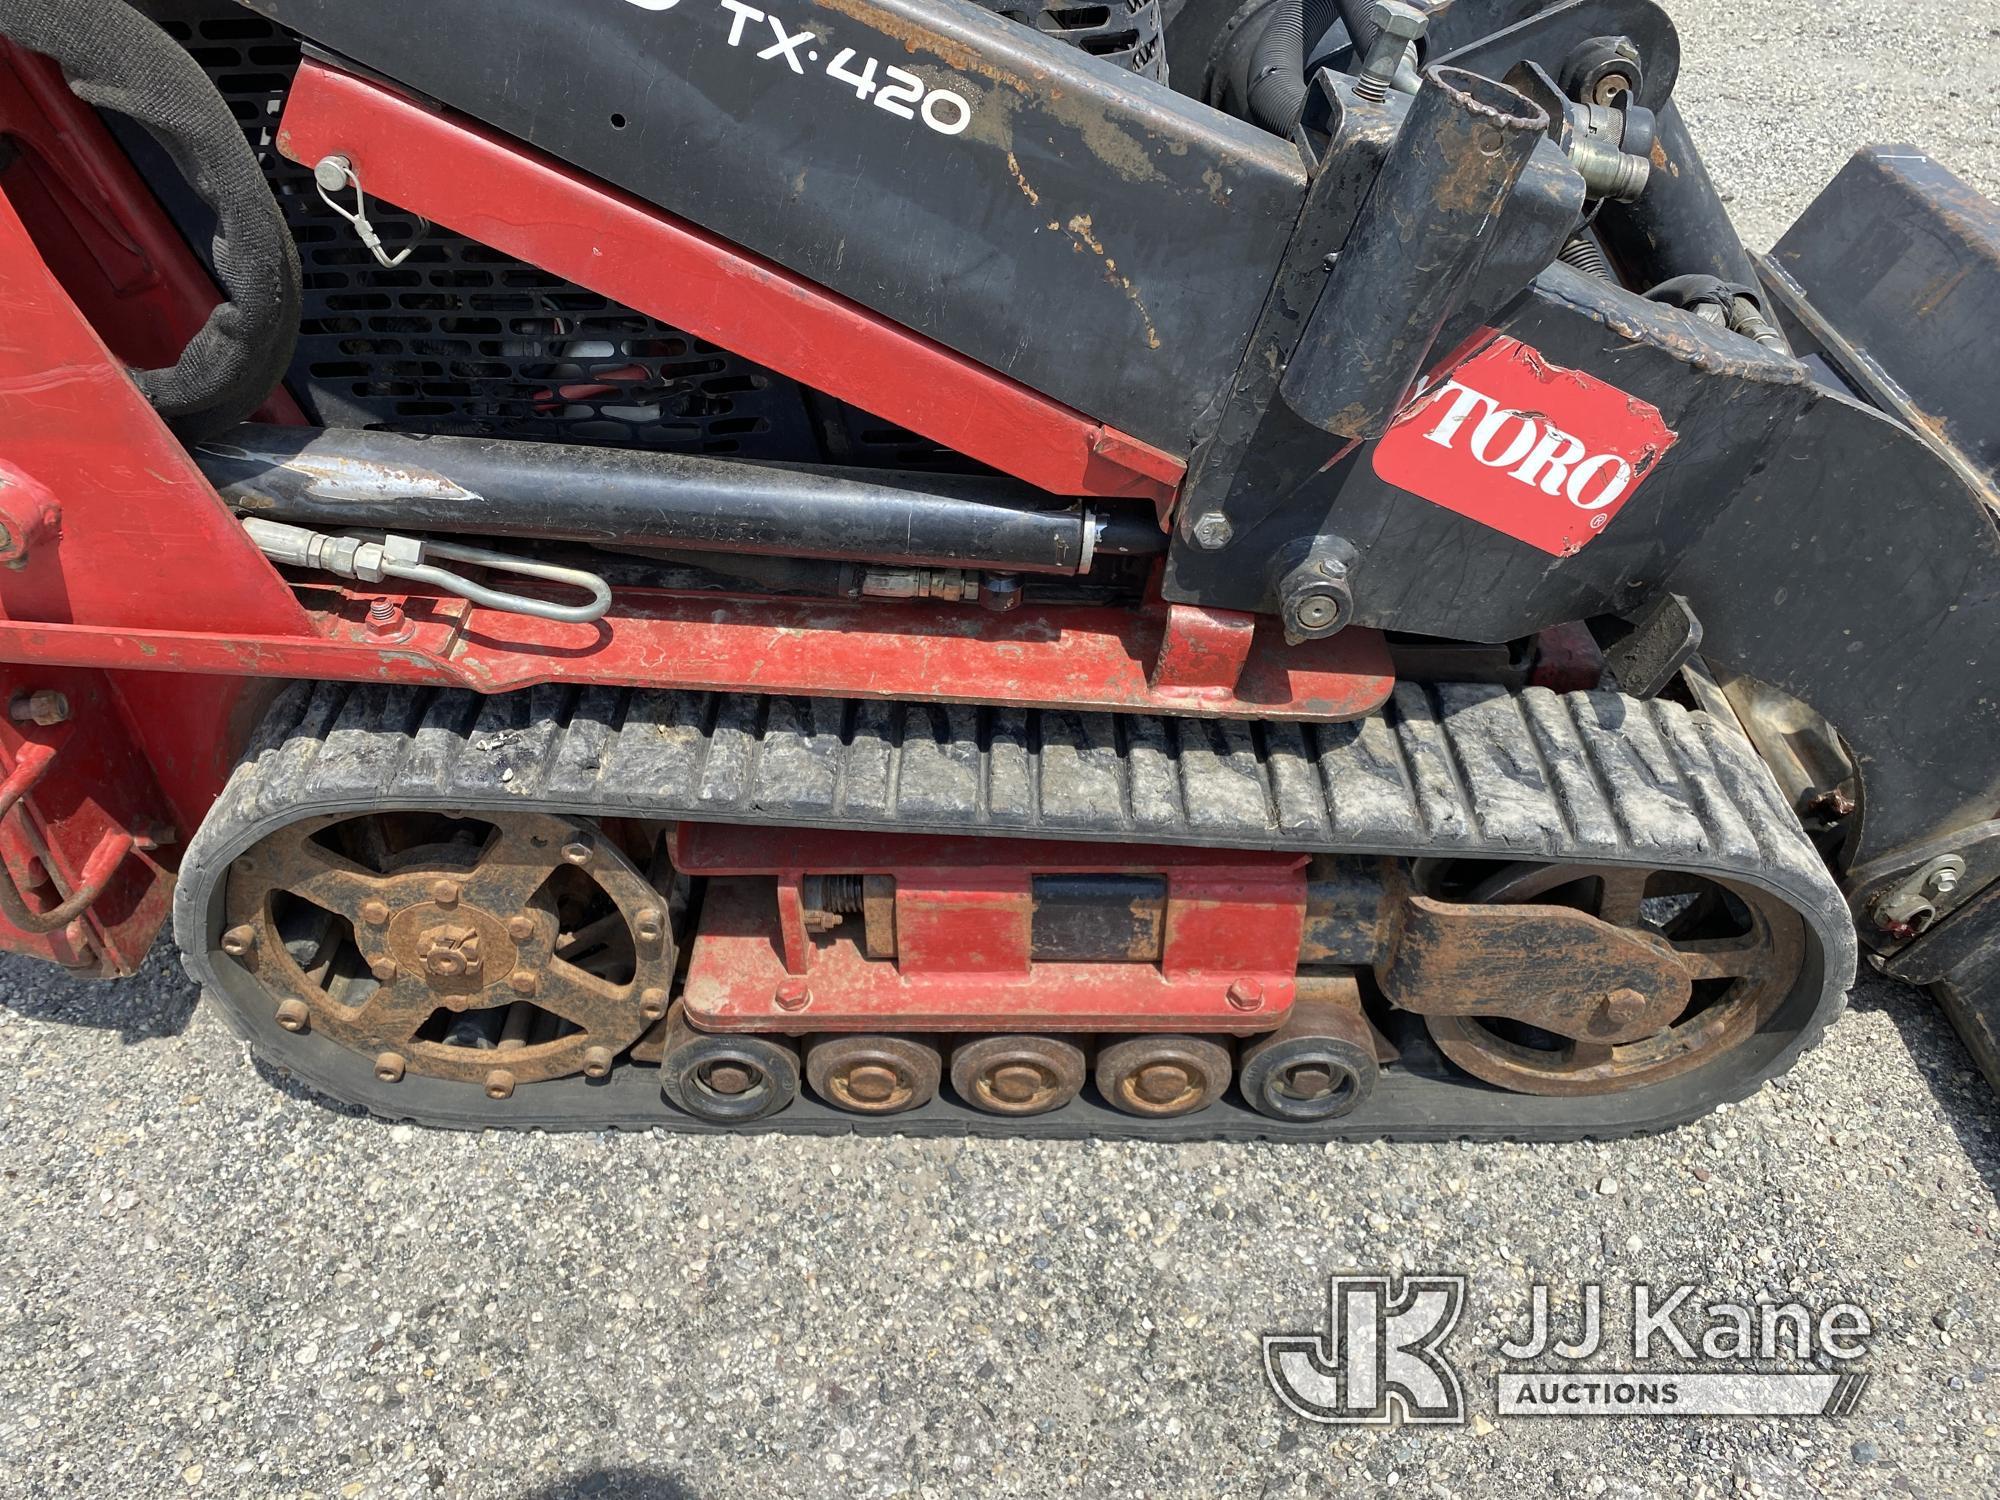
1277 93
116 59
1277 69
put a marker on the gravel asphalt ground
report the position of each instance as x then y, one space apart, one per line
215 1284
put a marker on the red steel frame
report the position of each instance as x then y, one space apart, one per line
963 913
126 584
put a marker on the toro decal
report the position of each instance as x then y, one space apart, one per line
1545 454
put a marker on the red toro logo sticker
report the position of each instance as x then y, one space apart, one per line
1545 454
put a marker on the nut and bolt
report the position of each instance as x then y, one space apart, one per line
385 617
239 940
649 925
1944 882
1213 532
1247 994
450 951
375 913
792 994
652 1003
521 928
577 851
389 1067
1398 25
499 1084
1622 1005
44 708
385 970
445 892
524 981
597 1062
730 1078
294 1015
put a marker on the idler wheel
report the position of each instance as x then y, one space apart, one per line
874 1075
727 1079
1159 1077
1017 1075
1319 1065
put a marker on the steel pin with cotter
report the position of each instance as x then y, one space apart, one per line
372 559
332 174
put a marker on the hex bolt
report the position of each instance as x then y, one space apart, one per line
389 1067
1213 532
1398 26
294 1015
239 940
1247 994
577 851
1945 881
43 708
499 1084
385 970
445 892
524 981
385 618
375 913
649 924
792 994
1621 1005
521 928
597 1062
652 1003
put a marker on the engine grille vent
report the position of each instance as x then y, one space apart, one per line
1125 32
462 339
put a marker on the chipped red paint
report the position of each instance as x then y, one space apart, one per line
502 194
963 918
1546 454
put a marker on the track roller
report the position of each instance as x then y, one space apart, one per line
1017 1075
1320 1064
727 1079
1163 1076
874 1075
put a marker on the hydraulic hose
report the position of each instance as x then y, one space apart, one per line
116 59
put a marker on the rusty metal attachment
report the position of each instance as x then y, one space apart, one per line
727 1079
1017 1075
1324 1062
1562 970
874 1075
465 949
1737 951
1163 1076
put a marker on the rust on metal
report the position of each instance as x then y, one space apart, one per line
1740 946
449 940
1017 1075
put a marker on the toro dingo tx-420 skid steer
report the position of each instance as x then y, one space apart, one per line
1181 571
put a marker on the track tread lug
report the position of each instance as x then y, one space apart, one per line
1453 771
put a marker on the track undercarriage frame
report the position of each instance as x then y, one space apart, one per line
1220 941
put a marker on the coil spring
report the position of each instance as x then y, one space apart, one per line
839 894
1583 254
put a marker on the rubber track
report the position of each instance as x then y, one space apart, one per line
1458 771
